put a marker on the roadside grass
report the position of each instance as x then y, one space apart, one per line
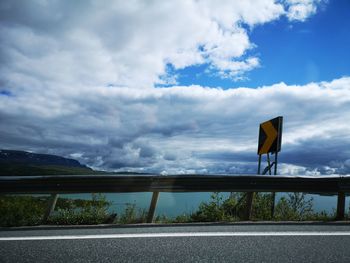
24 210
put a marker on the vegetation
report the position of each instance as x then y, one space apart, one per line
132 215
82 212
29 210
15 163
293 207
21 210
31 169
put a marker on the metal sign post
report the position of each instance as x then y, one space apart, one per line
270 138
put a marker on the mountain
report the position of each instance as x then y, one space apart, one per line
35 158
26 163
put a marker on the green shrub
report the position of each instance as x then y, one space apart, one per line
30 210
132 215
211 211
215 210
21 210
82 212
184 218
295 207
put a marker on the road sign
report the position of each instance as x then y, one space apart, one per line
270 136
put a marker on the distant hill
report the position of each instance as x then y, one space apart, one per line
26 163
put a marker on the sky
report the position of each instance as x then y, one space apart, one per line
177 87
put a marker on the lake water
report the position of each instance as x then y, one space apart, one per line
173 204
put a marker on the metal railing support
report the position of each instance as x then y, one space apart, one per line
152 207
250 197
51 207
273 199
341 206
249 206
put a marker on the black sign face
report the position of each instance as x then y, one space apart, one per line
270 136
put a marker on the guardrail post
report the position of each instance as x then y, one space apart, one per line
273 198
152 207
341 206
50 207
249 206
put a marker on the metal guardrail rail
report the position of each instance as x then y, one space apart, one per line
172 183
62 184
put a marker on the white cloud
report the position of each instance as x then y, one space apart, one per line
302 9
183 129
77 79
290 169
129 43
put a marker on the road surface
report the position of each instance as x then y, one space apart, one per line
249 242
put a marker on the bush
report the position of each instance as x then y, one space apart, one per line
29 210
216 209
132 215
184 218
262 203
21 210
295 207
82 212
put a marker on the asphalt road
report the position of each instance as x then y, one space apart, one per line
185 243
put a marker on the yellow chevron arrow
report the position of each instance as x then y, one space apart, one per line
271 135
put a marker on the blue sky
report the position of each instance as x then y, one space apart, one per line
177 86
291 52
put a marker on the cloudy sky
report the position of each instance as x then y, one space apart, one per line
177 86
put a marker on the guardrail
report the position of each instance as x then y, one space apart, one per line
175 183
